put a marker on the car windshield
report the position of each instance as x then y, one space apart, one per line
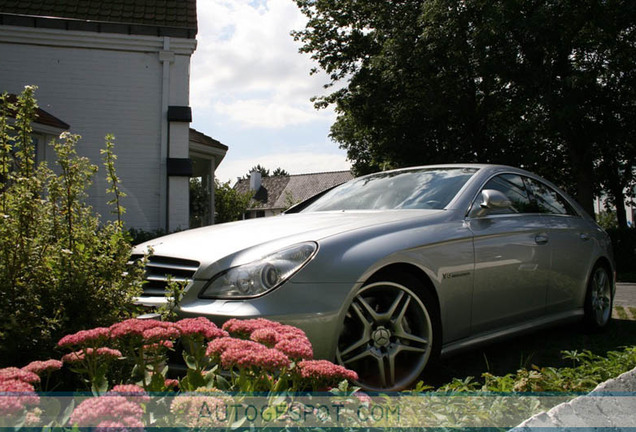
426 188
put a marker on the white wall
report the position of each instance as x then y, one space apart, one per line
106 83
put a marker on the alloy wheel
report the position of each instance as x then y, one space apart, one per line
601 297
387 337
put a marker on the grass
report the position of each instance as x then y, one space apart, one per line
543 348
621 312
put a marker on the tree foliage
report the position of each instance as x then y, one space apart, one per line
549 86
230 204
266 172
61 268
280 172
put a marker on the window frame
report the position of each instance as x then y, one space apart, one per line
523 176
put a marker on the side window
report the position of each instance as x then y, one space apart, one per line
548 200
513 187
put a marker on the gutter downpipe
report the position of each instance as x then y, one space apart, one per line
166 57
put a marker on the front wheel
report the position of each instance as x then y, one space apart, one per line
599 299
389 335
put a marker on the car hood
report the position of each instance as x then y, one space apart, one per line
251 239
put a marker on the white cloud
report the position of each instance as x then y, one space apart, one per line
294 163
270 113
247 60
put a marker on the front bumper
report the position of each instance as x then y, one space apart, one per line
317 309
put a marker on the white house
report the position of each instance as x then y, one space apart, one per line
120 67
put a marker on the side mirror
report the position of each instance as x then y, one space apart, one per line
491 200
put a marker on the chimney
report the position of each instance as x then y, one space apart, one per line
255 181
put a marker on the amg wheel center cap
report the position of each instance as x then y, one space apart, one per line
381 337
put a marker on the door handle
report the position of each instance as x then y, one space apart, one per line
541 239
584 236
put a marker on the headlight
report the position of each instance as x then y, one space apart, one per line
258 277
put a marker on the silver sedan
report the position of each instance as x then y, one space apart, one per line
392 269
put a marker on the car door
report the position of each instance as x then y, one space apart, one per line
512 257
572 240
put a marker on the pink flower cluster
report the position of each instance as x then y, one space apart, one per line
151 334
107 412
269 346
171 383
41 367
17 391
80 356
15 374
246 354
324 370
158 346
132 392
200 327
149 330
93 337
287 339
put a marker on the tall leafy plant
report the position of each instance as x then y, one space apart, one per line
62 269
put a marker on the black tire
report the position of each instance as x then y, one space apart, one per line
599 299
390 333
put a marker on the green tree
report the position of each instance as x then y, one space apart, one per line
258 168
266 172
280 172
544 85
230 204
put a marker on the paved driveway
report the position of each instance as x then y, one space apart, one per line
625 294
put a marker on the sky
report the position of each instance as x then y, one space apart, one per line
250 89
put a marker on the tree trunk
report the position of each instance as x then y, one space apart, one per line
619 203
583 170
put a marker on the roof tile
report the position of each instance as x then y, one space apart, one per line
180 14
278 192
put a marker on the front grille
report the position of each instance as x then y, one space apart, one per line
159 270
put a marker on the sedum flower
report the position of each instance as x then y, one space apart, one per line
80 356
290 340
41 367
93 337
158 346
108 409
132 392
145 329
160 333
325 371
200 326
244 328
246 354
267 359
32 418
16 396
267 336
219 346
16 374
171 383
295 349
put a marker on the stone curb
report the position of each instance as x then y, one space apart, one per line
611 404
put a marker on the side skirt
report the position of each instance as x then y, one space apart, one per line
507 332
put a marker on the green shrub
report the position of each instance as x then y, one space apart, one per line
139 236
588 370
61 268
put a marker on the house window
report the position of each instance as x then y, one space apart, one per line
37 149
201 190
